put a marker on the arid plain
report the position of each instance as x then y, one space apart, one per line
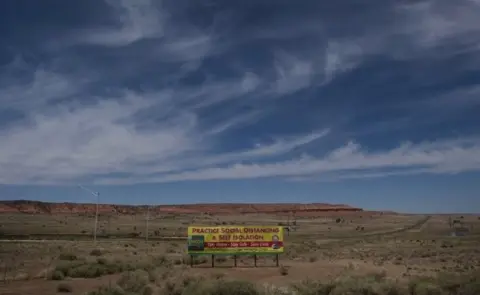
327 252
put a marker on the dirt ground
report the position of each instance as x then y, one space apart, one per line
322 247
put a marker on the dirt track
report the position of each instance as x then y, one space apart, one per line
58 238
105 239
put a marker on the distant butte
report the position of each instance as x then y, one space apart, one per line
37 207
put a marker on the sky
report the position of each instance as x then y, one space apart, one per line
374 104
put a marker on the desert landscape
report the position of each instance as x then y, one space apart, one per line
48 248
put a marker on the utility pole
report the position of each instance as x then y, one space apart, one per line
295 219
97 196
146 223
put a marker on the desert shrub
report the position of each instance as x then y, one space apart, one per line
57 275
134 282
220 259
221 287
459 284
366 288
233 288
162 274
377 284
366 285
376 276
83 269
186 259
147 290
102 261
218 275
107 291
93 270
144 265
96 252
65 267
283 270
424 286
178 261
67 256
152 275
160 260
64 288
199 260
472 287
177 285
310 287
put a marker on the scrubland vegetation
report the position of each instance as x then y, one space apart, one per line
392 254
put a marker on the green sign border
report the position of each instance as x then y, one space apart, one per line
235 253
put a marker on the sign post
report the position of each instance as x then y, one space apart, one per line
235 240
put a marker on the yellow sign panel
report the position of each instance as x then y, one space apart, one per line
235 240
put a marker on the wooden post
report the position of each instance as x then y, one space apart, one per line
255 260
191 260
235 260
213 261
276 260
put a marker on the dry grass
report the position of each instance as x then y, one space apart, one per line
331 251
175 225
371 284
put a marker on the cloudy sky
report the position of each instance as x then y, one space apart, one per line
369 103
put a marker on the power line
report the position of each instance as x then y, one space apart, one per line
97 196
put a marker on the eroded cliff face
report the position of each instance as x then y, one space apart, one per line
35 207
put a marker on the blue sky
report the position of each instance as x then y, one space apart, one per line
370 103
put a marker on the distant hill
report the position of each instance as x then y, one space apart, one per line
36 207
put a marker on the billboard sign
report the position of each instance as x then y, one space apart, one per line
235 240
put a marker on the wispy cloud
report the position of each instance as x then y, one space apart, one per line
134 21
37 85
293 74
440 157
187 106
97 139
434 23
340 57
